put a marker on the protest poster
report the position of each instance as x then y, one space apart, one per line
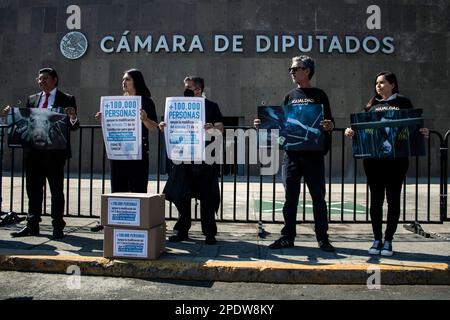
184 131
298 126
37 128
388 134
124 211
130 243
121 127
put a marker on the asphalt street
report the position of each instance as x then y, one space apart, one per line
41 286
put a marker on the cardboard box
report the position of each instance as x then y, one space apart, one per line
133 210
134 243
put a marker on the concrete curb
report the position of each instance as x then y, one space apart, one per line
234 271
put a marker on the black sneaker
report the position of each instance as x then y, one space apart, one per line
178 237
281 243
387 249
325 245
376 247
210 240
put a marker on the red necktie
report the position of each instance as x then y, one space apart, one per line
45 105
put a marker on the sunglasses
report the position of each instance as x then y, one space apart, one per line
296 68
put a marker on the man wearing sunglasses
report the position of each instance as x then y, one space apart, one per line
307 164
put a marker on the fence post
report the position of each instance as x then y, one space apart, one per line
444 177
2 134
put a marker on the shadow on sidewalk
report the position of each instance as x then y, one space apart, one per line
245 251
20 248
81 245
45 245
228 249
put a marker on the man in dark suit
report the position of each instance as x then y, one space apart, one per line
47 164
200 181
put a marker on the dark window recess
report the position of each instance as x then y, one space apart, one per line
229 169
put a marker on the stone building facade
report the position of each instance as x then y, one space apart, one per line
188 38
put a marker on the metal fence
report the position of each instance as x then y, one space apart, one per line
246 195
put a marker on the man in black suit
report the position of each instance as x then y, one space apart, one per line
198 181
47 164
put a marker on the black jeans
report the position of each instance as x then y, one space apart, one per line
197 177
385 176
208 221
310 166
41 166
130 175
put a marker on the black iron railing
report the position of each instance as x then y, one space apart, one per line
246 195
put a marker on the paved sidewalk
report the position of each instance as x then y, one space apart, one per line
240 255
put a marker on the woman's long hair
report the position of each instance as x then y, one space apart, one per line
139 83
391 78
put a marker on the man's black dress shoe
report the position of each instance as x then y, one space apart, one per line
178 237
25 232
326 246
210 240
58 234
11 218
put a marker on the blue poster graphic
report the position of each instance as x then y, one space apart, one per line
388 134
298 124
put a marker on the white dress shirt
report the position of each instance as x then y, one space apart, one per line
51 99
51 102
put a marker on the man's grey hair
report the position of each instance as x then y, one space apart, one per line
198 82
305 62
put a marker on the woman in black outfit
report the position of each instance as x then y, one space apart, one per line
385 175
132 175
